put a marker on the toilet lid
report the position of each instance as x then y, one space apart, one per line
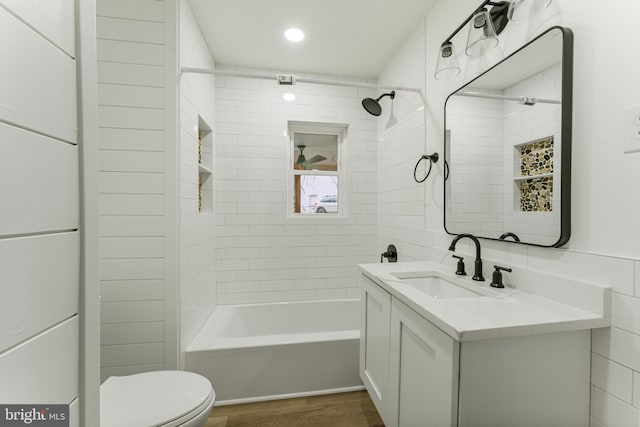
153 399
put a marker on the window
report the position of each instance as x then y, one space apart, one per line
316 181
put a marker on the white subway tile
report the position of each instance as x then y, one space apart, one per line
626 313
612 377
616 272
620 346
612 411
262 297
636 390
637 278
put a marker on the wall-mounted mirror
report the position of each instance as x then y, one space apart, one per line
508 147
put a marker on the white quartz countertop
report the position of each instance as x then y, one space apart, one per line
499 312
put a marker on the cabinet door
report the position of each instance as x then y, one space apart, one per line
374 344
424 371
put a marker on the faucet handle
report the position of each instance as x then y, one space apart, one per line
496 281
460 268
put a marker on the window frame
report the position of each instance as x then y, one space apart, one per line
318 128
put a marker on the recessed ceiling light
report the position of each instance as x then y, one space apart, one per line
294 34
289 96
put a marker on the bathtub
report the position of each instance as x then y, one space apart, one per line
273 351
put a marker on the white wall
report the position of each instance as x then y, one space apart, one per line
39 238
262 255
603 248
138 282
197 229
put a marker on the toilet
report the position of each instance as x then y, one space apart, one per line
156 399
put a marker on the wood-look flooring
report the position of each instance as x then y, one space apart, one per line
353 409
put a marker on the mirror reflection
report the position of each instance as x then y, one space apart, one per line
508 139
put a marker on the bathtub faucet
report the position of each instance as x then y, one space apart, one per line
477 275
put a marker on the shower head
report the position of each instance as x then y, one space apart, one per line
373 106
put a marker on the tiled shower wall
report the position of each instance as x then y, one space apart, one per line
523 124
603 248
261 255
475 201
402 207
484 133
197 229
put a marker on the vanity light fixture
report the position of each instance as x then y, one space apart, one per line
522 10
484 26
448 65
482 35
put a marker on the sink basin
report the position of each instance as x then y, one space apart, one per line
437 287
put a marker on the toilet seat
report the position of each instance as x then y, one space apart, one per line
154 399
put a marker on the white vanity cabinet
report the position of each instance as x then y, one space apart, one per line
424 369
419 376
375 313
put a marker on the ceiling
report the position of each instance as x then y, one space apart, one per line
342 37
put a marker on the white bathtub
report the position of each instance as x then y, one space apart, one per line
274 351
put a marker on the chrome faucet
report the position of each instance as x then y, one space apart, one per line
477 275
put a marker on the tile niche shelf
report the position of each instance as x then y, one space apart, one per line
535 183
205 169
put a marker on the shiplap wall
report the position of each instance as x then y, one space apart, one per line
197 229
39 243
132 173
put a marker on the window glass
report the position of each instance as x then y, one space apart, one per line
317 194
315 152
316 170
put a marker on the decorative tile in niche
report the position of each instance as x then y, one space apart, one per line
536 175
536 158
536 195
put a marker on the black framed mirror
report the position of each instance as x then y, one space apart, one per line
508 147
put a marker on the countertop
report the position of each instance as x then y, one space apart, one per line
501 313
